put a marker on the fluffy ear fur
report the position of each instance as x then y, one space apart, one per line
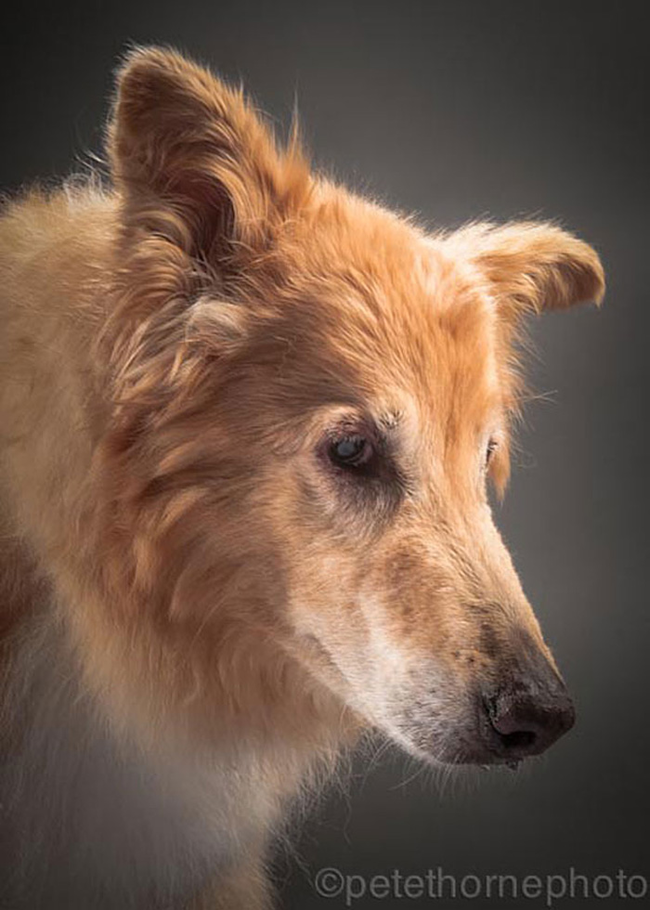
193 159
204 190
532 267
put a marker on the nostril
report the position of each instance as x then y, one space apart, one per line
520 740
522 725
516 730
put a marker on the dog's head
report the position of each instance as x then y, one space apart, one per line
312 397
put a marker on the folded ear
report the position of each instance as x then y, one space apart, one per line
531 267
193 159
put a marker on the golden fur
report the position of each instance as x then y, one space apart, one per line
190 591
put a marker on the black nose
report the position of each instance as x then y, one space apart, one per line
527 723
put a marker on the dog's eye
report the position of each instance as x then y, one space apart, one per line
490 450
350 451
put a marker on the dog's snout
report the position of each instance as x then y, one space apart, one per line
527 721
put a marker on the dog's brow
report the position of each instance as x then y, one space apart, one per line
389 420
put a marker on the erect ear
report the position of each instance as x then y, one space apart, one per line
193 159
532 267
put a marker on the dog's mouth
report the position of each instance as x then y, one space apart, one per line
440 721
501 729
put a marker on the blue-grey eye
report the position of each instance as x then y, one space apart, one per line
350 451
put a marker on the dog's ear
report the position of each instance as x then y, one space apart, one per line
194 160
531 267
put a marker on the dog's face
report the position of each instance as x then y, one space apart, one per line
327 392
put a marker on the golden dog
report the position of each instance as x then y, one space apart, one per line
247 419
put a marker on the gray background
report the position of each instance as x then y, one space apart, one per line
455 109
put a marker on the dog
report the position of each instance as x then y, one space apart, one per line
248 419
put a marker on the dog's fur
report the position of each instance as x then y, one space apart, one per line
200 607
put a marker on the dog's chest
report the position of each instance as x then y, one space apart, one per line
90 823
